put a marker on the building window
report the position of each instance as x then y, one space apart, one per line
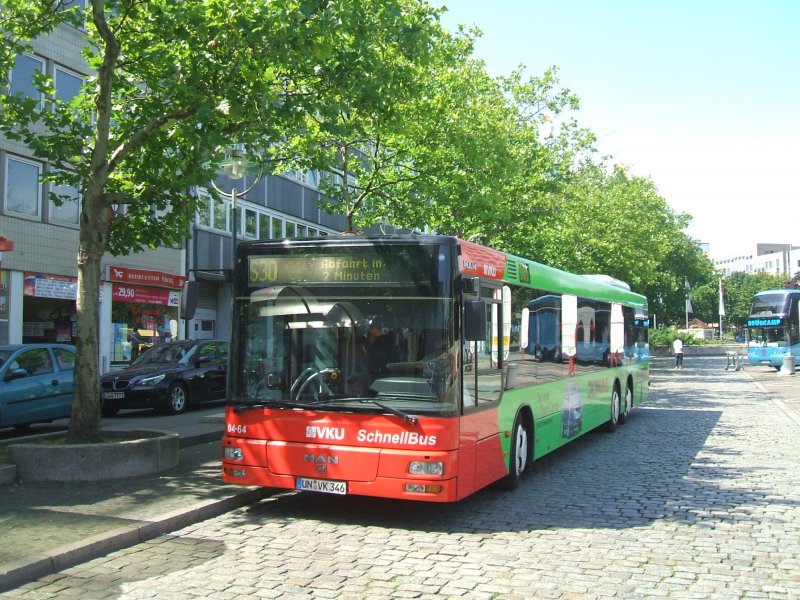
277 229
23 193
212 213
250 224
219 214
204 210
22 75
263 226
68 85
70 205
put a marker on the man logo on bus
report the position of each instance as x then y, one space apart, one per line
325 433
321 462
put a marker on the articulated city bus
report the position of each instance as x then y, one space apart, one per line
773 327
418 367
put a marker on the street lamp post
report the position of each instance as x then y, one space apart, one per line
235 167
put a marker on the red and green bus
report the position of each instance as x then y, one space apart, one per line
419 367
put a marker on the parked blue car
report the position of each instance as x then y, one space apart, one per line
35 383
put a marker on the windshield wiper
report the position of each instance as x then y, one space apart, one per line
243 406
410 419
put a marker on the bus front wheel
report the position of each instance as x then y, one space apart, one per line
518 459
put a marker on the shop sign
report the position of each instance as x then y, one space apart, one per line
145 277
42 285
145 295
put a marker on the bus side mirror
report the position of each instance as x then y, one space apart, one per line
189 293
469 285
474 320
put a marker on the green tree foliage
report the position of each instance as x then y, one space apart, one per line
172 83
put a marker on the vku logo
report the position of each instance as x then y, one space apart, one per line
325 433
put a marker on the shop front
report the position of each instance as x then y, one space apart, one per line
144 311
48 309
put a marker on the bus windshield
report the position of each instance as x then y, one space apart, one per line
773 319
770 304
367 328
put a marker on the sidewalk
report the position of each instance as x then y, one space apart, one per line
46 527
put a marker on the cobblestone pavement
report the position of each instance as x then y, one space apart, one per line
783 390
697 496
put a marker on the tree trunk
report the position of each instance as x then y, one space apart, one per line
95 224
84 425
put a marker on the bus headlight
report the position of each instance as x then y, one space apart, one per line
421 467
232 453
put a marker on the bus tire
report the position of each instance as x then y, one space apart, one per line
518 461
625 413
611 425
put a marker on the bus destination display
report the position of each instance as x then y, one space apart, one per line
763 322
366 268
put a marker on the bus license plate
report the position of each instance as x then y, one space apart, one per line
321 485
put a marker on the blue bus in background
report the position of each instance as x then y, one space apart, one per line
774 328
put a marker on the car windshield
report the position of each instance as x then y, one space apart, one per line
4 354
163 353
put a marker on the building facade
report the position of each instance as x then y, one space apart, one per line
777 259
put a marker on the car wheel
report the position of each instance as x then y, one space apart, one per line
177 399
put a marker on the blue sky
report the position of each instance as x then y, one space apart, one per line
701 96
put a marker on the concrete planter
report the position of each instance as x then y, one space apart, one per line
138 452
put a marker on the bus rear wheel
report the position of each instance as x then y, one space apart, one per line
611 424
626 412
518 459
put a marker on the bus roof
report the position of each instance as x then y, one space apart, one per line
778 291
494 264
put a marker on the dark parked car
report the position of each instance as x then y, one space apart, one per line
35 383
169 377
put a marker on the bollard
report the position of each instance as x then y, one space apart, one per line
788 365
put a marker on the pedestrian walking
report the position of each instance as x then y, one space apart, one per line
677 348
